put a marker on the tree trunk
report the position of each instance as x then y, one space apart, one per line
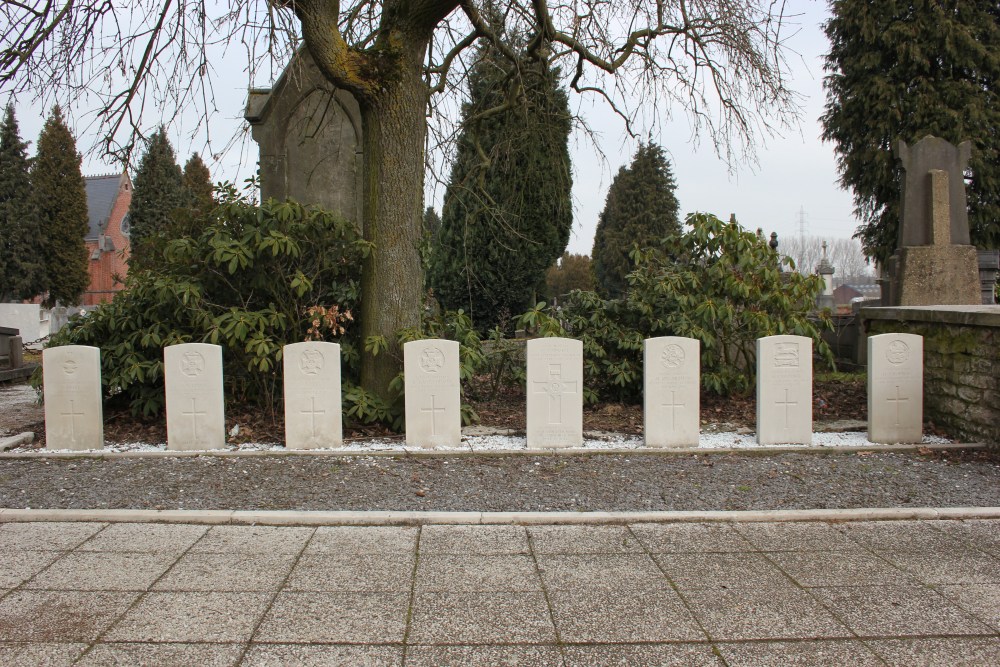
394 127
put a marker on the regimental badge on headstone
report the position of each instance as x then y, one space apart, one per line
671 404
895 388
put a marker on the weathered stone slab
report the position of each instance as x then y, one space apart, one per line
195 408
74 417
433 393
895 388
933 154
555 392
672 374
784 390
313 410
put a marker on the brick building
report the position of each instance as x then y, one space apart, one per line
108 200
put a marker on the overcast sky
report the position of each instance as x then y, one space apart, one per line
795 173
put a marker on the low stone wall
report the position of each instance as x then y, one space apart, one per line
961 364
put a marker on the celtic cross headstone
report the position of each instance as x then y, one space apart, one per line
555 393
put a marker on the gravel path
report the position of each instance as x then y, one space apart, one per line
513 483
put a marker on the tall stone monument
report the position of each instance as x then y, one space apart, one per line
934 262
309 133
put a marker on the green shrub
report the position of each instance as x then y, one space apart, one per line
715 282
251 281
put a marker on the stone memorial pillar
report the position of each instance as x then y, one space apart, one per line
195 407
784 390
671 402
433 393
895 388
313 408
74 416
555 393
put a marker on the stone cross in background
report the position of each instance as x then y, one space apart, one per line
934 263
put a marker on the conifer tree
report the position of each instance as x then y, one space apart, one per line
198 186
903 70
59 199
157 197
507 210
640 208
22 264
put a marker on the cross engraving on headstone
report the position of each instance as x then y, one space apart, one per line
72 414
312 412
787 404
554 388
897 400
673 405
433 410
194 414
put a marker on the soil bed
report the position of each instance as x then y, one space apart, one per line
639 482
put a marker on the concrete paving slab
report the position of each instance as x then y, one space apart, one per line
722 571
608 616
337 572
474 540
103 572
899 536
837 568
227 572
626 572
815 653
191 617
690 537
162 655
55 536
16 567
322 655
788 613
583 540
253 539
481 618
60 616
451 573
483 656
335 618
938 652
145 538
892 611
981 535
949 566
980 600
627 655
806 536
363 540
32 655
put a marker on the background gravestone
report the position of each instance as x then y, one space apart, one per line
895 388
555 393
671 401
74 416
784 390
934 263
313 409
309 134
433 393
195 408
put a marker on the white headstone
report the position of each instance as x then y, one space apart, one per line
784 390
195 409
672 374
555 393
433 393
74 417
312 395
895 388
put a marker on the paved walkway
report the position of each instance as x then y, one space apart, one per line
857 593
